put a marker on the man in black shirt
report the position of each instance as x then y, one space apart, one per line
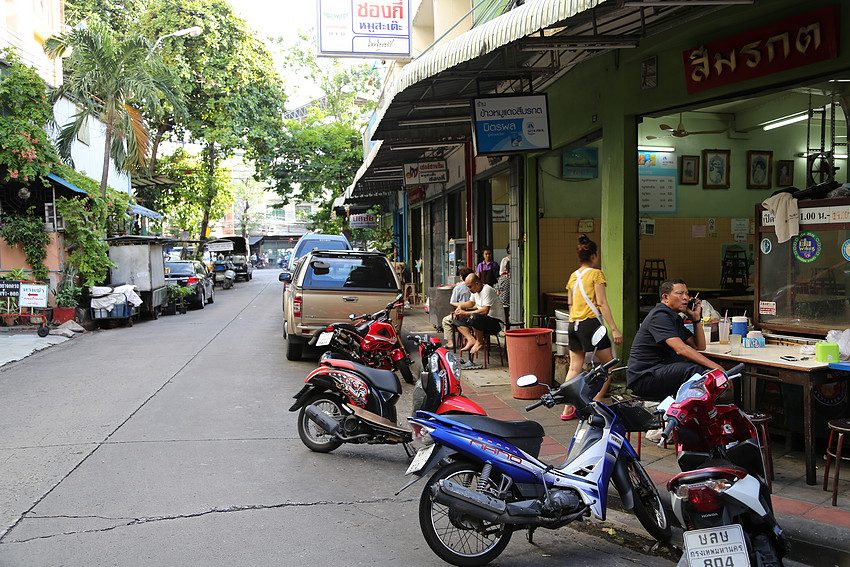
665 353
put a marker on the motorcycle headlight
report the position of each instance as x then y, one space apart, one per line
454 364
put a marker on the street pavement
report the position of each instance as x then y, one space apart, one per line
170 443
140 399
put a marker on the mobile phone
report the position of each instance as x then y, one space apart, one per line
788 357
692 302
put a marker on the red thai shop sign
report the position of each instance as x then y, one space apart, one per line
801 40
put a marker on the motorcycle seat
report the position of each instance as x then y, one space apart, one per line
527 435
708 471
382 379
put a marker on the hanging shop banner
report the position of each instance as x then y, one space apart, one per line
508 124
367 28
425 172
657 183
794 42
363 220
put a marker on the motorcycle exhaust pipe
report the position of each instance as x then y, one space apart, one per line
323 420
469 502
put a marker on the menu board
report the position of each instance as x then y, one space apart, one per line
657 182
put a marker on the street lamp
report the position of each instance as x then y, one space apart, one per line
194 31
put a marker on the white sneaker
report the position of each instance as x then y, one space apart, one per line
654 435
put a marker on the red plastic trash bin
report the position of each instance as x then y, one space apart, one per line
529 352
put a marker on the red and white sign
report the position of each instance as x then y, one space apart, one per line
33 295
425 172
794 42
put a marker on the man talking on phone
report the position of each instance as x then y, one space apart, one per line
665 353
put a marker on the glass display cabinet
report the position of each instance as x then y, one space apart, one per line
802 284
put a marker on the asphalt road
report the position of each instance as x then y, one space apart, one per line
171 443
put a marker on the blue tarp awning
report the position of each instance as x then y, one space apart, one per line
145 212
65 183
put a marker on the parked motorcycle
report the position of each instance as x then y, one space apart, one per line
722 498
369 339
495 484
439 382
223 273
346 402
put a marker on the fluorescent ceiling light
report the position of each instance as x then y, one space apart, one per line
836 156
786 121
656 149
424 146
639 3
440 105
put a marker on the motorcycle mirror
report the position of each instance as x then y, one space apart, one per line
598 335
527 380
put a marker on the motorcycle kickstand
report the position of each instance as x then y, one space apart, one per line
530 535
408 449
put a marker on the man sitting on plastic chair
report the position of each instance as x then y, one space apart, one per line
473 318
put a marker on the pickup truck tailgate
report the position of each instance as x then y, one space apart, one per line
321 307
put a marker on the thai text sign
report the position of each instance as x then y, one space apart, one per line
32 295
839 214
363 220
364 28
425 172
507 124
657 187
220 246
10 288
802 40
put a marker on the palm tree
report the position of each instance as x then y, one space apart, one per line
111 79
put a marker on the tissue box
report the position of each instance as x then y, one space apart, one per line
826 352
752 342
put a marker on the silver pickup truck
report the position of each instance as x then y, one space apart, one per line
329 285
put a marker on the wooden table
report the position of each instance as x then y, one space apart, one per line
765 364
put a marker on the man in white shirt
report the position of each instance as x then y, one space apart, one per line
460 294
475 317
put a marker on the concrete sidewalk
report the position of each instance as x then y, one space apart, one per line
19 343
820 533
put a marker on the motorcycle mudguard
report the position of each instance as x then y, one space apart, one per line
620 476
460 404
397 354
436 458
314 383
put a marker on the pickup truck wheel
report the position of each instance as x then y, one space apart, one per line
404 370
293 348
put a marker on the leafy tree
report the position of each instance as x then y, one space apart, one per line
183 205
110 79
246 192
25 151
27 231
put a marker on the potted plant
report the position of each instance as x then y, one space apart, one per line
176 294
67 299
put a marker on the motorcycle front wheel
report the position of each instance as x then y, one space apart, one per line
648 506
314 437
404 369
456 538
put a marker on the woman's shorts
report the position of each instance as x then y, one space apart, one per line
580 339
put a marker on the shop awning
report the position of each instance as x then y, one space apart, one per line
426 110
66 183
145 212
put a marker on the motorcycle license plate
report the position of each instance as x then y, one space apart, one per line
420 459
325 338
723 546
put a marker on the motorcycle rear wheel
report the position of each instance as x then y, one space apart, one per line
314 437
449 534
648 506
404 369
764 552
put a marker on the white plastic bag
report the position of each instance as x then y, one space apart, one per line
842 338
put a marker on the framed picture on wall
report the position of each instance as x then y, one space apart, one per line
715 169
759 166
785 173
689 173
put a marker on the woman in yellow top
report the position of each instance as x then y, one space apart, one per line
588 305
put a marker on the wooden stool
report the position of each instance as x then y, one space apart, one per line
761 419
840 426
409 290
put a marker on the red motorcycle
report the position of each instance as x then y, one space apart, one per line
371 340
721 499
346 402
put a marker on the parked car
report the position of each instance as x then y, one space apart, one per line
329 285
194 274
313 241
242 266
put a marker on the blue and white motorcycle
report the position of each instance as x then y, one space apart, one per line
491 483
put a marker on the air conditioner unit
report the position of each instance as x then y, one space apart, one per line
52 221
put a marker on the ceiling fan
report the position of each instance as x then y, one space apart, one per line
680 132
